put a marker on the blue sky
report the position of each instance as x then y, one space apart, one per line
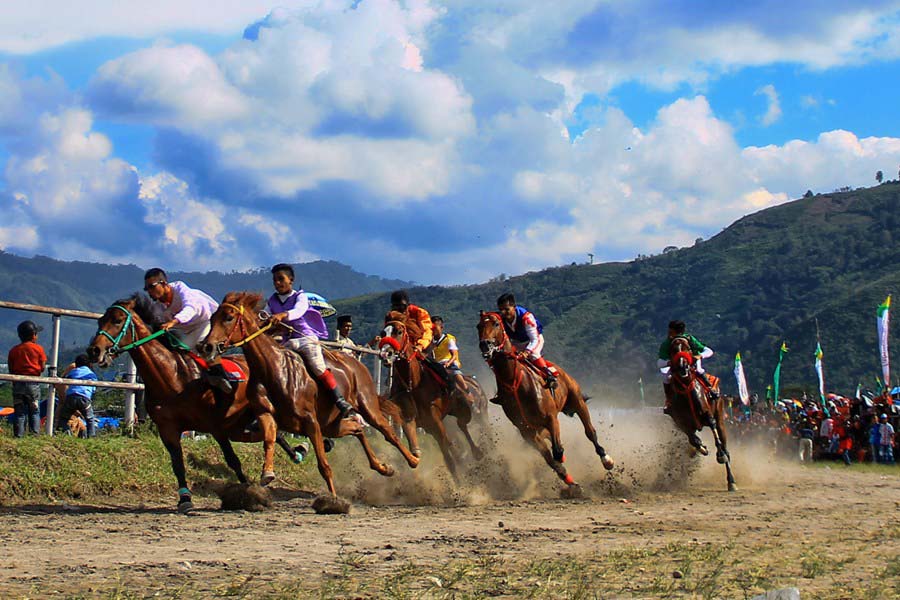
443 142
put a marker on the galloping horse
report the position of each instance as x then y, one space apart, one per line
178 399
422 398
528 404
294 397
692 408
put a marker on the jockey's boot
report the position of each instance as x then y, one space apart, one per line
670 393
551 375
346 409
713 394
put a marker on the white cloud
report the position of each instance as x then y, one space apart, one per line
37 25
773 105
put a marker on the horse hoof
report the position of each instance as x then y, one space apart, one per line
720 458
559 456
478 454
732 487
416 452
185 507
329 444
266 478
412 461
571 492
608 463
702 450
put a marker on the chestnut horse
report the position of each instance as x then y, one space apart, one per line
178 398
692 409
529 404
293 396
422 398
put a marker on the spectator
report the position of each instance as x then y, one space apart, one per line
886 439
79 397
806 433
344 327
845 441
27 358
875 441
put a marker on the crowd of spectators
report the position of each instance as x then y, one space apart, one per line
853 430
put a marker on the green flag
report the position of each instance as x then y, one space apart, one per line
776 378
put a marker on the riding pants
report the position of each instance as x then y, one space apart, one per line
308 347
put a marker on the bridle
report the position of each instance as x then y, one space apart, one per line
391 350
239 324
489 347
127 327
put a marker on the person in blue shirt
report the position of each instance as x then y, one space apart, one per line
79 397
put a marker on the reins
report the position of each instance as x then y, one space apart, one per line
128 326
240 323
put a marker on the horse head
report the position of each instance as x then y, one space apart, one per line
681 358
117 328
492 337
231 324
395 336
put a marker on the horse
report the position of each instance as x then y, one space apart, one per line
529 404
178 399
692 409
479 399
295 398
420 393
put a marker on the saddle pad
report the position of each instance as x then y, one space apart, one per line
233 371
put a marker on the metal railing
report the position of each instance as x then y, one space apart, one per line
376 371
53 364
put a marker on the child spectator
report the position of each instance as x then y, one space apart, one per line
886 439
79 397
27 358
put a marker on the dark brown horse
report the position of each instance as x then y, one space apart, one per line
178 398
529 404
293 396
422 397
692 409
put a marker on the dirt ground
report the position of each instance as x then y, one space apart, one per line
654 527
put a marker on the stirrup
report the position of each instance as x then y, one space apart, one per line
552 382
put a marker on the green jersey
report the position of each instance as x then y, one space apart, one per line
696 347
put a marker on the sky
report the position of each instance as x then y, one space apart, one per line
440 142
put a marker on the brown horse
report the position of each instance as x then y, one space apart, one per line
692 409
529 404
178 398
294 397
423 399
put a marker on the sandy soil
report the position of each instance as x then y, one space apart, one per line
832 532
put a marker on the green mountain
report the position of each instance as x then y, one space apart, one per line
91 286
770 276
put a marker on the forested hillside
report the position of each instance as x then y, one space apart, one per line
764 279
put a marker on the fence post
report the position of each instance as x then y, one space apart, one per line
130 376
378 375
51 371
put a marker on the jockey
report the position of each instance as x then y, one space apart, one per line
526 334
184 312
699 351
417 314
291 308
446 352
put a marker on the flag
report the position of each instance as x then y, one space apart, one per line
819 372
883 320
743 394
641 383
859 391
776 379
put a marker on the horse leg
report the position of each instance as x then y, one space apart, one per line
722 455
314 432
534 438
270 435
409 430
374 463
376 419
476 451
440 434
231 459
292 454
584 415
171 439
556 447
697 444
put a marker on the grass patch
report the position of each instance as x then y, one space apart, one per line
62 467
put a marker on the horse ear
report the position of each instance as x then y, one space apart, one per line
481 314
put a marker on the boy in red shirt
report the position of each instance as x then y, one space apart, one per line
28 358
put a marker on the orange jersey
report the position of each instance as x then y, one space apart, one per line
423 320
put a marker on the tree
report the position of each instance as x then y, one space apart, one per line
879 176
668 249
808 194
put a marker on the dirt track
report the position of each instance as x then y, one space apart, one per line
831 532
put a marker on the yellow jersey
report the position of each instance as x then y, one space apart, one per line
443 349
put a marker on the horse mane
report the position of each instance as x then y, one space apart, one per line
141 304
249 300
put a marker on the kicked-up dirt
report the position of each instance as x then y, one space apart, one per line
660 525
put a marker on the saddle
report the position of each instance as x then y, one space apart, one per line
231 370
